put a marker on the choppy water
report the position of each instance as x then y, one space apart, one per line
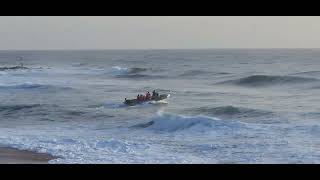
226 106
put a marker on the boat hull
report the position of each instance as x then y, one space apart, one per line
133 102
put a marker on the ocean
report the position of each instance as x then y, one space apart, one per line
226 106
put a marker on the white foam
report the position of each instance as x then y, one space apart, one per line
117 70
182 139
159 102
171 123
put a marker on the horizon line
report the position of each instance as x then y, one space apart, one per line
148 49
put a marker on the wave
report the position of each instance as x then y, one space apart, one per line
265 80
192 73
230 111
117 70
174 123
14 108
76 149
43 112
308 73
19 110
12 68
133 73
136 70
140 76
33 86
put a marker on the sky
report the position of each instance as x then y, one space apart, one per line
158 32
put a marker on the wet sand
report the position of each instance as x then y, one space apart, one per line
15 156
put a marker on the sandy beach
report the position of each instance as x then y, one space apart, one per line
15 156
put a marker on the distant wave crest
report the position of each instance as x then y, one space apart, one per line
192 73
136 70
230 111
117 70
308 73
265 80
134 73
15 108
29 85
13 68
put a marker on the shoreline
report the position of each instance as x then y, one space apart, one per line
15 156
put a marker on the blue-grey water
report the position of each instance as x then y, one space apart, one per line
226 106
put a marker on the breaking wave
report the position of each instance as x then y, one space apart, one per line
173 123
117 70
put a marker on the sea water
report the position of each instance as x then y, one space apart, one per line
225 105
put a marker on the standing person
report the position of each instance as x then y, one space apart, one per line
153 93
138 97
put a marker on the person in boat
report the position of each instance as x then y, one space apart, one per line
144 98
154 94
148 96
139 97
